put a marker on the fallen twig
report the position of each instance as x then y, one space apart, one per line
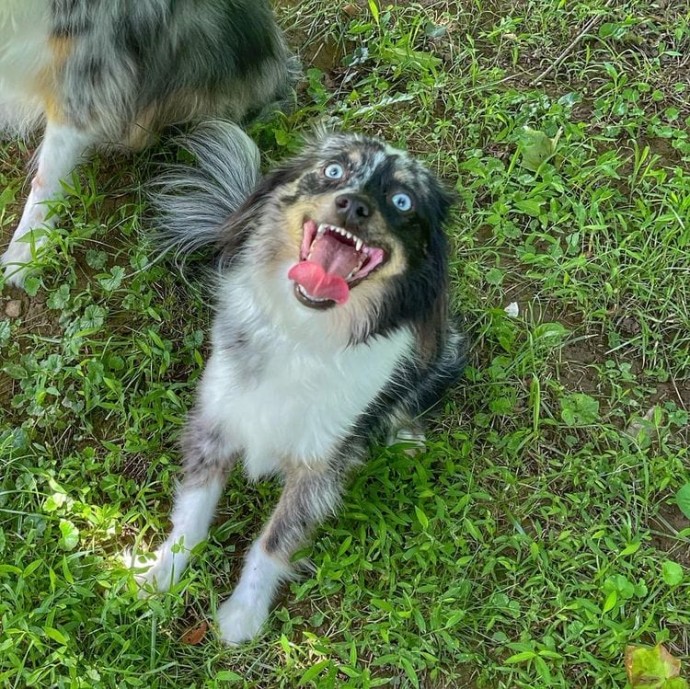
590 25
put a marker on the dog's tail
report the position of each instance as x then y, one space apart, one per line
193 202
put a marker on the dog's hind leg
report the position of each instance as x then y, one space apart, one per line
208 459
310 496
62 148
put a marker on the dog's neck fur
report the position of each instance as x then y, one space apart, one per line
297 386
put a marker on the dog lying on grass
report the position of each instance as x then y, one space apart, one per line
331 332
105 73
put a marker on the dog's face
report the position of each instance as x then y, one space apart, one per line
355 225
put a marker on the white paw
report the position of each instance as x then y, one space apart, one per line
158 572
16 261
240 619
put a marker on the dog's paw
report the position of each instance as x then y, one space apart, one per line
240 619
156 573
15 263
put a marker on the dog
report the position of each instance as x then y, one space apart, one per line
332 332
104 73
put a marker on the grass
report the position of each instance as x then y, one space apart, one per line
537 536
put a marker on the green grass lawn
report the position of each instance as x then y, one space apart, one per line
540 532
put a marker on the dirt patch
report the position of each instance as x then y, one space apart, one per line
34 317
665 527
6 392
576 369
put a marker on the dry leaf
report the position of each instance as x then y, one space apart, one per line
195 635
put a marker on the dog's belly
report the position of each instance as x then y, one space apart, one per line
25 60
297 408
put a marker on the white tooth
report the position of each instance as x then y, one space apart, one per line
322 229
358 244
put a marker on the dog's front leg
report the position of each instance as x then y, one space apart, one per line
208 458
310 495
60 151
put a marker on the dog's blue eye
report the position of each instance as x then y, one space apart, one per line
334 171
402 202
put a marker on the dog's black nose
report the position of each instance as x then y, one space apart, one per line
351 209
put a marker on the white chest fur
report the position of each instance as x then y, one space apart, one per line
277 400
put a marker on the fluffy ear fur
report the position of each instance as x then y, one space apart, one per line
443 198
433 323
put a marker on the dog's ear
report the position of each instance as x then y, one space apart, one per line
441 198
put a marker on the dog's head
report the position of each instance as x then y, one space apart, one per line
352 230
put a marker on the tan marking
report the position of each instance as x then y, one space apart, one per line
295 216
365 300
46 80
355 157
61 47
47 91
404 177
320 208
355 318
53 109
180 106
143 132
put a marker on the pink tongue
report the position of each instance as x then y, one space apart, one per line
319 284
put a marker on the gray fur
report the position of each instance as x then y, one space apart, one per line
157 62
104 73
206 455
194 203
309 497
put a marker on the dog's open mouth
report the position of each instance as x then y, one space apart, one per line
332 261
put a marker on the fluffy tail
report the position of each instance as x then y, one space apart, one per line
193 202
